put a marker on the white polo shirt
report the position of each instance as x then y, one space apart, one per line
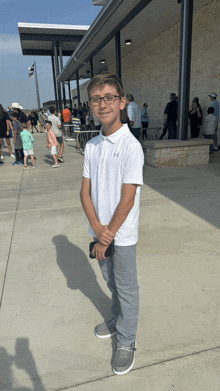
110 162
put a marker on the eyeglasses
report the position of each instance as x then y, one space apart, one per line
108 99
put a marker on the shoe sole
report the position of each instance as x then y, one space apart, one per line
127 370
105 336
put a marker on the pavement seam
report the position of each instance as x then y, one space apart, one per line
143 367
9 253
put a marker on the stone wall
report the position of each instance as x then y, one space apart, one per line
151 72
177 153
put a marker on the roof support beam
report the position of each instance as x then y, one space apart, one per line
185 67
54 81
50 37
91 67
57 74
118 54
61 68
36 52
77 85
70 97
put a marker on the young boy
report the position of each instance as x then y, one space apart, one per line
17 140
52 142
110 195
209 127
27 140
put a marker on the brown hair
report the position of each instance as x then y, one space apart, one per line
24 125
106 78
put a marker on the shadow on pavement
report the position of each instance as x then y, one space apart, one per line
23 360
194 189
79 274
48 159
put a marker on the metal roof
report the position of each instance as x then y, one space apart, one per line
138 20
38 39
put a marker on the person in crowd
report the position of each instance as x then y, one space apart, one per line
170 118
45 114
27 141
57 126
209 127
18 146
52 143
196 99
77 126
215 104
33 118
41 120
76 121
195 119
21 115
3 129
145 120
67 119
6 120
134 115
9 135
60 116
110 196
87 120
91 121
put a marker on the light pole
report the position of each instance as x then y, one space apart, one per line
33 70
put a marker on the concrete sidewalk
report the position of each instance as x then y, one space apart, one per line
53 294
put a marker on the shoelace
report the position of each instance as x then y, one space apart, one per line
129 349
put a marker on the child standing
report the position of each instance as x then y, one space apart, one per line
17 140
209 127
27 140
52 143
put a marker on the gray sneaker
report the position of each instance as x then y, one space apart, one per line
105 330
124 359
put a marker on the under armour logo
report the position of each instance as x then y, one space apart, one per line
116 154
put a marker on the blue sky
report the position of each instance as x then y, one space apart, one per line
15 86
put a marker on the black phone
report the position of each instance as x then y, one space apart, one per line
109 252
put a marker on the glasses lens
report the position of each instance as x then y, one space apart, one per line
109 99
95 101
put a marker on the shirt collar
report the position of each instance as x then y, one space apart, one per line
114 137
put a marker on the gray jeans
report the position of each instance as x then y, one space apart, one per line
120 273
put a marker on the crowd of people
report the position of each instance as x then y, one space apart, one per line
198 126
14 121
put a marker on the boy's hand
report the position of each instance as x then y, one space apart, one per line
99 251
104 235
14 141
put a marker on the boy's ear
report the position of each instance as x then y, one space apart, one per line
123 103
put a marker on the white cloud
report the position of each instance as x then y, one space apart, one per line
10 43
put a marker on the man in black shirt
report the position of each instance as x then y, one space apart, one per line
170 118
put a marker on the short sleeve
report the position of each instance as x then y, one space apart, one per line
86 167
133 166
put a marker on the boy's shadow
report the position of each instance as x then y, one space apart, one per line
79 274
48 159
24 360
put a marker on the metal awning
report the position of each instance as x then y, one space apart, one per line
38 39
140 21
